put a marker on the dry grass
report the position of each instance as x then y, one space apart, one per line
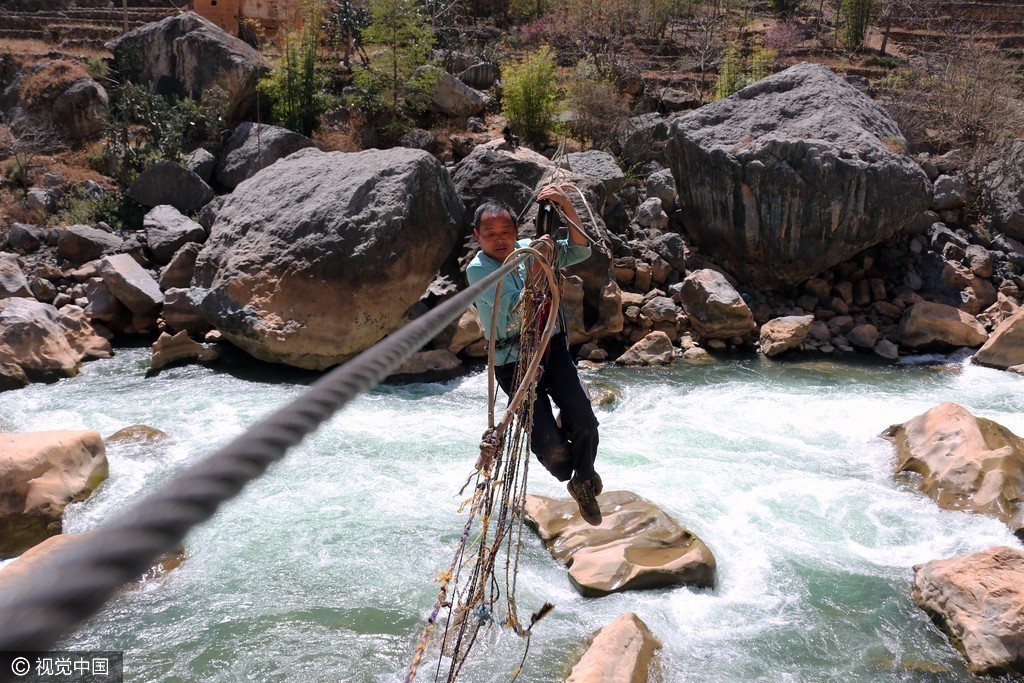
44 86
41 48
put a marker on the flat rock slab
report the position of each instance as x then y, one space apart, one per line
978 600
621 652
967 463
636 547
40 473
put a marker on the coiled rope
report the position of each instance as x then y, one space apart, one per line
77 580
470 589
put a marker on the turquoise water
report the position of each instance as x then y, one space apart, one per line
323 569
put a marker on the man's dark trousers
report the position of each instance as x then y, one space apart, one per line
574 446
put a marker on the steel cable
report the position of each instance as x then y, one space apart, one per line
78 579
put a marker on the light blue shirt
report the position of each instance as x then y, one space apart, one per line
483 265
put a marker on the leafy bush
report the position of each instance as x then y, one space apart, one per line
529 96
596 106
143 127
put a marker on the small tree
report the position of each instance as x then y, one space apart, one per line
529 97
345 22
394 83
596 106
855 18
297 84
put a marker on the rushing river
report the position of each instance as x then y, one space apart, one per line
323 570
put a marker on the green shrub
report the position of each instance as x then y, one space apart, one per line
393 86
97 68
296 85
785 8
143 127
529 98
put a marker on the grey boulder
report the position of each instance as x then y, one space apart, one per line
80 243
317 258
253 147
167 230
792 175
187 55
166 182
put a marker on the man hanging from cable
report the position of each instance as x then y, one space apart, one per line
568 452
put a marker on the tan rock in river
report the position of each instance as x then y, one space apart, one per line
968 463
40 473
978 600
637 546
621 652
1005 348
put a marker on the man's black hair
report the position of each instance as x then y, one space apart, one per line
492 207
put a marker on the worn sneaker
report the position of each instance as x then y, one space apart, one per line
598 484
584 495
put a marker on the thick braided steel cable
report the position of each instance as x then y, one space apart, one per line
36 610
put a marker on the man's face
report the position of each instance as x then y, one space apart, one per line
496 235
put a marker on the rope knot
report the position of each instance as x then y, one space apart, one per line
488 450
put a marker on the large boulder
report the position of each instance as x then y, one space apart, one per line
597 164
1005 348
40 473
716 309
782 334
131 284
793 175
81 110
621 652
451 97
641 139
967 463
978 600
167 230
317 258
1004 182
178 273
930 326
81 243
166 182
514 177
187 56
636 547
253 147
43 342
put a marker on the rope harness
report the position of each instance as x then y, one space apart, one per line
470 588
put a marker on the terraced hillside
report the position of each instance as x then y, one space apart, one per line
993 23
89 23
